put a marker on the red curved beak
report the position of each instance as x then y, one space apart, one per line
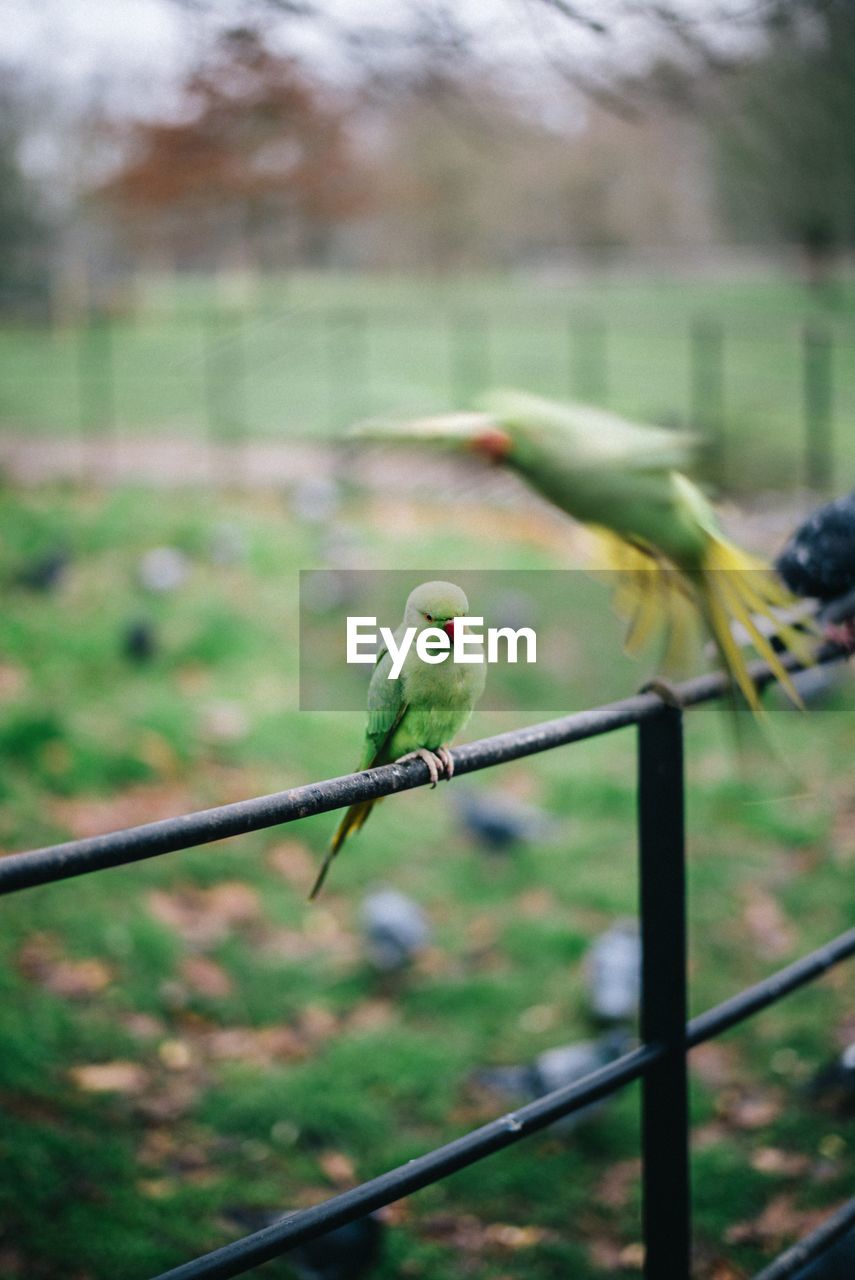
448 628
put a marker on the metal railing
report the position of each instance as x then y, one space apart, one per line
659 1062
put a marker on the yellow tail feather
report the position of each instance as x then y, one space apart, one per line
734 587
354 818
729 586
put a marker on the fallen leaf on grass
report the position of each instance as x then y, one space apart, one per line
535 903
13 680
617 1184
157 1146
719 1269
711 1134
41 960
110 1077
605 1254
538 1018
177 1094
317 1022
773 934
371 1015
338 1168
631 1256
774 1161
205 977
205 917
175 1055
156 1188
506 1236
11 1263
300 944
468 1234
292 860
779 1223
715 1063
259 1046
92 815
745 1110
842 838
143 1026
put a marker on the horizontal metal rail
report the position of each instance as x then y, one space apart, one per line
750 1001
236 1258
661 1056
306 1224
117 848
791 1262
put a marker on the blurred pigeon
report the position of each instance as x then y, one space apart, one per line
316 500
163 569
819 559
837 1262
44 572
139 640
613 972
343 1254
556 1069
227 544
343 547
819 562
512 608
497 822
834 1083
394 929
323 590
815 685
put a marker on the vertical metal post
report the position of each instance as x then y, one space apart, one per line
707 391
469 336
590 373
665 1131
817 407
347 365
96 380
225 384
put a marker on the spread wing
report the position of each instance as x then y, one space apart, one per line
593 438
386 707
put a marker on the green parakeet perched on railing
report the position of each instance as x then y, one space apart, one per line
418 711
653 525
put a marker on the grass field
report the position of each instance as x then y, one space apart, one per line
186 1043
304 357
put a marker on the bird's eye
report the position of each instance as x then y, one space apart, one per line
428 617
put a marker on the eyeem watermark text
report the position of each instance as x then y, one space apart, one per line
434 645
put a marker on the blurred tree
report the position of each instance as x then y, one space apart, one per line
786 145
23 223
254 164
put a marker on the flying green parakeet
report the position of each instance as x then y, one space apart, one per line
418 712
625 481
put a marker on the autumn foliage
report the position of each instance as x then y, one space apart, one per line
253 144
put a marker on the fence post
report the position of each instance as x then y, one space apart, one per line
96 379
665 1133
816 347
707 391
225 379
347 365
589 371
469 336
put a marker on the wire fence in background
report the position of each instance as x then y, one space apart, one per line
768 402
660 1060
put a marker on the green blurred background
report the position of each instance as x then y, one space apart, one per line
227 231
